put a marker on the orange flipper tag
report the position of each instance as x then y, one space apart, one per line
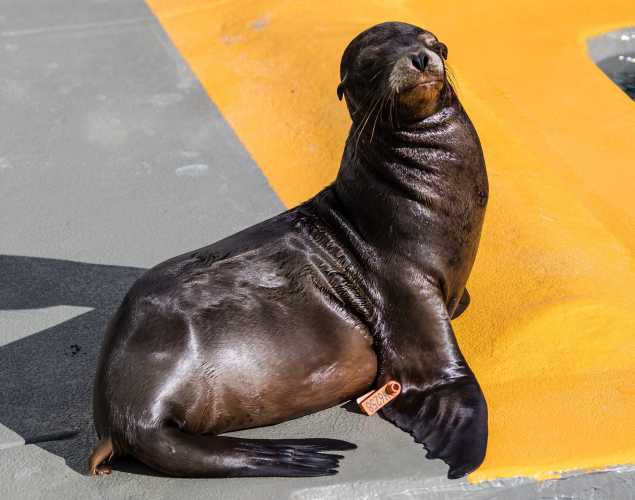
373 401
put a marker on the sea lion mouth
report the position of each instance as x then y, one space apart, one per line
426 83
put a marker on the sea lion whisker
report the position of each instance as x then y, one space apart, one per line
449 76
360 128
372 78
383 70
392 108
368 115
372 132
379 112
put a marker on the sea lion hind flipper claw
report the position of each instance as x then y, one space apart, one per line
450 421
103 452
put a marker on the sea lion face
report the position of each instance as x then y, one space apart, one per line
394 69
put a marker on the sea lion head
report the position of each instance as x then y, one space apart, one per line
396 70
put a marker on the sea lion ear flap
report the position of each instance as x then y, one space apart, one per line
340 88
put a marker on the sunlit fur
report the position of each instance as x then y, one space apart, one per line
318 304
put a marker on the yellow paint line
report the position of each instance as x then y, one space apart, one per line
550 332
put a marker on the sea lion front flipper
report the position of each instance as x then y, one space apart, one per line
450 421
462 305
441 404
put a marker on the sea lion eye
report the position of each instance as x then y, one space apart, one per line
442 49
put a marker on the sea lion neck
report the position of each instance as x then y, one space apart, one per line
405 179
409 158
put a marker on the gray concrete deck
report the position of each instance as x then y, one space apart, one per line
112 158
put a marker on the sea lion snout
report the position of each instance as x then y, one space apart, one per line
420 61
396 71
420 67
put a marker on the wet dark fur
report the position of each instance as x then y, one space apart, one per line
313 307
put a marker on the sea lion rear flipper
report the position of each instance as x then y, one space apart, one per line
178 453
102 453
462 305
441 404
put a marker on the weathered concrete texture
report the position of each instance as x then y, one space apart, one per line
43 16
28 472
54 313
111 151
9 439
18 324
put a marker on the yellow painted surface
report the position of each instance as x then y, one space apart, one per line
551 330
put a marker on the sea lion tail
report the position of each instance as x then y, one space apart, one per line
172 451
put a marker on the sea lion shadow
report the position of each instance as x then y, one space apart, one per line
131 465
47 377
352 407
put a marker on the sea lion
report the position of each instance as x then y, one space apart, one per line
317 305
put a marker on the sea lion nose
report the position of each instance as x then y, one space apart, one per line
420 61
